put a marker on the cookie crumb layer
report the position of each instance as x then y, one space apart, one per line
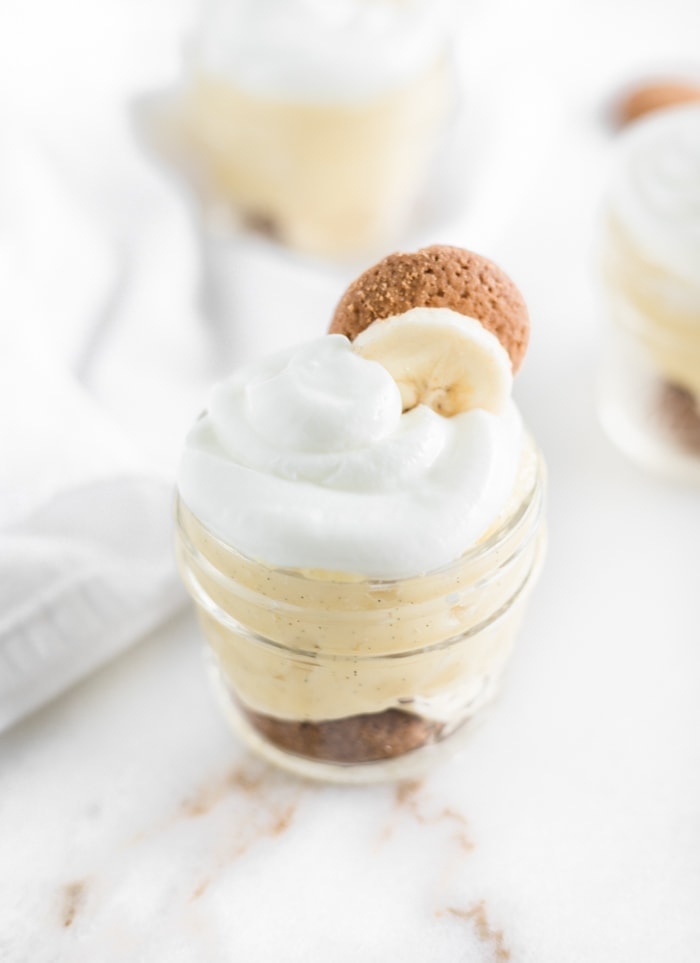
354 739
680 414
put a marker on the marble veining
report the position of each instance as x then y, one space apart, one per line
411 795
72 899
491 938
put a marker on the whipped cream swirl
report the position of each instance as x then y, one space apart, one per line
320 50
655 190
306 461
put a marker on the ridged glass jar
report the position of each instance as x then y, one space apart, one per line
308 150
649 265
350 679
650 386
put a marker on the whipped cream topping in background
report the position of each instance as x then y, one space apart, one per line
319 50
305 460
655 190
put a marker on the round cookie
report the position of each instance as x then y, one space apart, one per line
437 277
654 95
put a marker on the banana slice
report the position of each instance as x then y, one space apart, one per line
440 358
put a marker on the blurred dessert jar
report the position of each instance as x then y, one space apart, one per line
650 266
360 522
318 121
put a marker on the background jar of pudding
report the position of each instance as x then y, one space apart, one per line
317 123
351 679
650 272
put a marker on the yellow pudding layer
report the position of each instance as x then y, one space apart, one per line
323 645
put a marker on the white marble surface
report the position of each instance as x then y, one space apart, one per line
132 825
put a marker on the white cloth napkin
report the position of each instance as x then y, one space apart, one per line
107 351
86 554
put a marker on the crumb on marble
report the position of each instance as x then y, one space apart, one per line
210 795
462 835
284 820
199 890
280 821
72 900
407 789
248 782
407 797
486 934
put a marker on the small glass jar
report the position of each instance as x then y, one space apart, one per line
350 679
306 128
649 398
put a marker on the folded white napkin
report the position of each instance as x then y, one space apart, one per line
107 352
86 557
81 579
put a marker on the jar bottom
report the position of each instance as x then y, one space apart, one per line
353 739
378 747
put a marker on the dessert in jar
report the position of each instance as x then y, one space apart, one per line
650 266
360 522
317 121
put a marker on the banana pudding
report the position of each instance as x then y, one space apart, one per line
650 263
360 521
318 122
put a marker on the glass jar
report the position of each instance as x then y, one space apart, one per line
317 124
649 397
351 679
